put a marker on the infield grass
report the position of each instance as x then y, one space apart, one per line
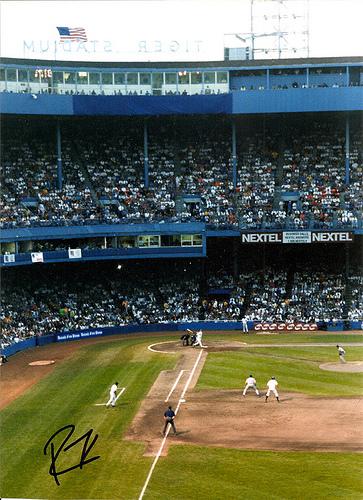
295 368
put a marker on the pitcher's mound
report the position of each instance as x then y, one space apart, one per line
42 362
349 367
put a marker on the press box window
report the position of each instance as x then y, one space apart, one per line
209 77
22 75
132 79
126 241
119 78
183 77
107 78
7 248
148 241
57 77
82 78
196 77
222 77
186 240
172 240
157 79
69 77
11 75
189 240
197 240
145 79
170 78
94 78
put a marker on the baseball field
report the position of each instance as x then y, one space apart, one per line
58 439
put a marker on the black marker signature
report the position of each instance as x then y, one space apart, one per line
55 452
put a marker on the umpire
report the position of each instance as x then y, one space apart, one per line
169 416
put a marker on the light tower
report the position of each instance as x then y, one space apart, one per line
278 28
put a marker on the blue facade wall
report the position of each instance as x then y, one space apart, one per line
98 230
110 254
79 105
152 105
252 101
19 346
298 100
40 104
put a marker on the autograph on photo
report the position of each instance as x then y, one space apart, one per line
55 452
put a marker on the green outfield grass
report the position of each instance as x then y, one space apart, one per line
68 394
191 473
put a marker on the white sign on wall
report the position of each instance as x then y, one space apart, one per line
296 237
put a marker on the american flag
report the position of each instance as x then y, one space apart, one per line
72 34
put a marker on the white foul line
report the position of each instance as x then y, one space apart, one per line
121 392
181 399
168 429
175 384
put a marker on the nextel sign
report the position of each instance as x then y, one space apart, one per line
301 237
324 237
262 238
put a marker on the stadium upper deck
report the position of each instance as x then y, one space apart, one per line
230 179
203 78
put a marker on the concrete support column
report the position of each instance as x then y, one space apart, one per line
59 158
347 150
146 157
234 155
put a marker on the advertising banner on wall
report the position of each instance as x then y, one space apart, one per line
74 253
37 257
79 335
293 327
297 237
9 258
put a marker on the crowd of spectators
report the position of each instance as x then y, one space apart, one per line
204 170
49 304
257 163
302 296
355 312
103 177
314 167
317 296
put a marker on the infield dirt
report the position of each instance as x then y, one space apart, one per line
227 419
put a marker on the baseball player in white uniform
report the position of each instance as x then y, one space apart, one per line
113 391
341 353
271 387
244 325
250 384
198 339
